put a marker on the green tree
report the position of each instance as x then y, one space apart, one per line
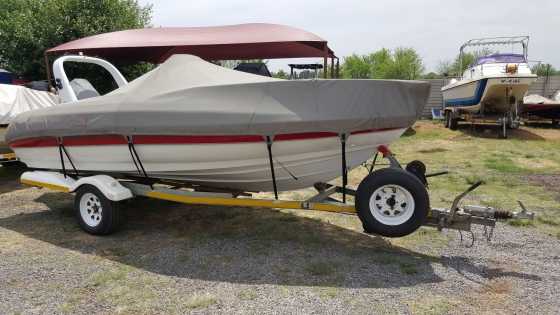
545 69
403 63
381 63
280 74
432 75
29 27
459 65
406 65
356 67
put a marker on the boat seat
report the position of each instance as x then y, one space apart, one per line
83 88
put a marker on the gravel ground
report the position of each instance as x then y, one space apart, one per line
174 259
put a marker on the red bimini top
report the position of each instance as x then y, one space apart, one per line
243 41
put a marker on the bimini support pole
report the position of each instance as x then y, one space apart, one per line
343 138
271 162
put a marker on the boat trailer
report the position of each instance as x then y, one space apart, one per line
99 195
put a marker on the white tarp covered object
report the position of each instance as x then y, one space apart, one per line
187 95
538 99
15 99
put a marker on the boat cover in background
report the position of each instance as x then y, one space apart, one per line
186 95
539 99
16 99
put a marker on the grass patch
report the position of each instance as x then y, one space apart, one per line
521 223
106 277
385 259
548 220
432 150
248 294
432 306
503 164
320 268
408 268
198 301
328 292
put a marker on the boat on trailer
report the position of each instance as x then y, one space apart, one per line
193 132
491 89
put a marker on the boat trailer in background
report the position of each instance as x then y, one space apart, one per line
389 196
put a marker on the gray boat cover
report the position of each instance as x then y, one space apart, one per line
187 95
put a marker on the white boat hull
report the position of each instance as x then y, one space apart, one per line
487 94
244 166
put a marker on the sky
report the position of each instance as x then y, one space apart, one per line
434 28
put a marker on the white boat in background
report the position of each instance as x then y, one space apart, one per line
494 85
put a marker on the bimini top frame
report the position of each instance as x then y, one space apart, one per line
489 41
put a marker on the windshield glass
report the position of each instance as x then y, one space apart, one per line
501 58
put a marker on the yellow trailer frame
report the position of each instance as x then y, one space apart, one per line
214 199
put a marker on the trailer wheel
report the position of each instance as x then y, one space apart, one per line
392 202
95 213
453 122
447 118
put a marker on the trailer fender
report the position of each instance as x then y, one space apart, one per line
110 187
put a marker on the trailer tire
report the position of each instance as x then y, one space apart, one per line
96 214
453 122
447 118
392 202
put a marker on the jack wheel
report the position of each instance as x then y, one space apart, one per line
418 169
392 202
95 213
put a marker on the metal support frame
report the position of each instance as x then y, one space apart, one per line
343 138
337 68
271 162
61 150
48 70
136 158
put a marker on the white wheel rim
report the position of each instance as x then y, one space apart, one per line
91 209
391 205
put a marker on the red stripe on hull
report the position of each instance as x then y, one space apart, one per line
195 139
94 140
173 139
34 142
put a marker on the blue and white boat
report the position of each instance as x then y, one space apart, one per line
494 84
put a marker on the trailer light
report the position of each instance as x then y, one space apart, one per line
383 149
511 68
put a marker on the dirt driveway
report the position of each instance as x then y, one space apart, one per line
175 259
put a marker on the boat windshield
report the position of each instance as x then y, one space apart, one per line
501 58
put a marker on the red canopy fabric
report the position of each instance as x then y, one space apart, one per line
243 41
